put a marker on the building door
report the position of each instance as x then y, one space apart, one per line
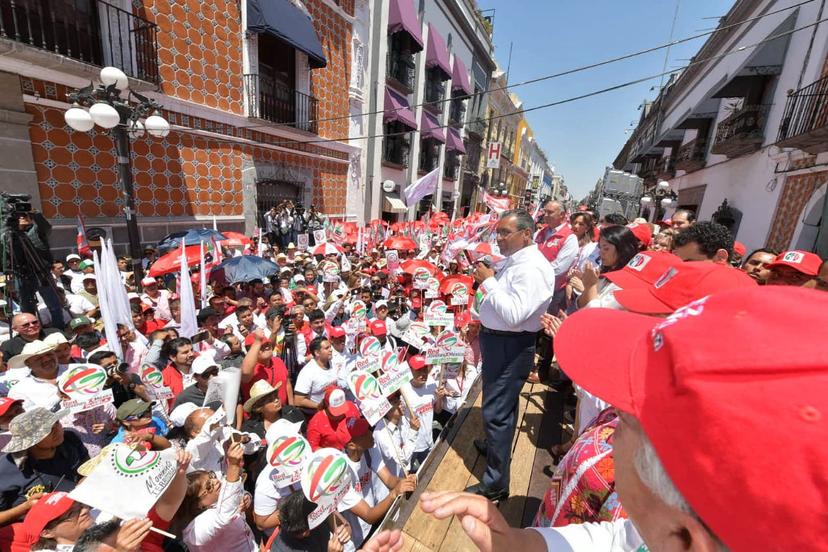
270 193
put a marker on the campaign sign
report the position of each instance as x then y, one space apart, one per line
84 385
325 480
154 383
368 393
437 315
330 272
320 236
445 355
393 260
394 374
459 293
286 455
432 289
420 278
302 242
358 310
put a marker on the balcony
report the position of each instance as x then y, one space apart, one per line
396 151
742 132
94 32
457 112
477 127
692 156
666 168
805 122
401 70
435 91
280 105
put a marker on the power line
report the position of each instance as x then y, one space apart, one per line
543 78
740 49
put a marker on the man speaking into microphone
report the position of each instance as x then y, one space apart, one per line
514 298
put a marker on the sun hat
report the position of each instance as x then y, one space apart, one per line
801 261
55 339
149 281
260 390
31 349
679 378
31 427
133 407
72 257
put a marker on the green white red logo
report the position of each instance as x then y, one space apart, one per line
325 474
459 289
433 284
85 379
131 462
288 451
370 346
390 361
358 310
419 329
421 274
365 386
152 376
438 308
447 339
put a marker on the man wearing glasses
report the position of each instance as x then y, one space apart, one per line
27 329
514 298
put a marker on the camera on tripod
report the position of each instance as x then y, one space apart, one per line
14 206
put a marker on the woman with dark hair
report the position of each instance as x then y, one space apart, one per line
617 245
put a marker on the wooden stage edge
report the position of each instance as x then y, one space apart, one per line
455 464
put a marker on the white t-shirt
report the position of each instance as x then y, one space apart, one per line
36 392
267 496
615 536
366 486
421 399
78 304
396 444
313 380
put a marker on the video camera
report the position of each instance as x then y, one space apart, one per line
14 206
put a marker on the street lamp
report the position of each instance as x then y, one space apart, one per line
104 106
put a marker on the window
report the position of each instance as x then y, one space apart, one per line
401 67
435 90
395 144
429 155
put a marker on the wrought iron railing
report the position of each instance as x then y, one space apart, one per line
745 122
401 67
806 110
693 152
435 91
282 105
396 150
476 126
94 32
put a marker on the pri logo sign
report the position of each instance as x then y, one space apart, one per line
131 462
288 451
365 386
370 346
325 474
152 376
358 310
794 257
82 380
459 289
446 339
638 262
390 361
420 277
438 308
666 277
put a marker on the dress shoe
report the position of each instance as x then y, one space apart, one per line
495 495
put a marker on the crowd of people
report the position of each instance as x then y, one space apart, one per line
640 323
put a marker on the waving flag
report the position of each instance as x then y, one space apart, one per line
424 186
83 243
496 204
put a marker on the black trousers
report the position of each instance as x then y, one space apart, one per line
507 360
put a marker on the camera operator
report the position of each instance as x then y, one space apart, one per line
28 257
299 225
125 386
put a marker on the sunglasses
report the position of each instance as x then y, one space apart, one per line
27 324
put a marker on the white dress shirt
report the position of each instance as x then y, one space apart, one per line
519 293
221 527
615 536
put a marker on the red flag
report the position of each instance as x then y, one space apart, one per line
83 244
498 205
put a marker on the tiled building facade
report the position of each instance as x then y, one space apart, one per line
225 156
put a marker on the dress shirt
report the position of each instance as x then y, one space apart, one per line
519 293
222 527
607 536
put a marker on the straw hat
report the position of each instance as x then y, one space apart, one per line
259 391
31 349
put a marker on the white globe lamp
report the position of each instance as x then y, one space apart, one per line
113 75
79 119
663 186
157 126
104 115
646 200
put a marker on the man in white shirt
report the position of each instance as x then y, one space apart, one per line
39 388
159 299
513 301
315 377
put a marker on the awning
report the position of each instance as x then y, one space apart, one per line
403 18
393 204
437 54
283 20
454 142
397 109
460 76
430 128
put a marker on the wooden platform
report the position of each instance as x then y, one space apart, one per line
455 464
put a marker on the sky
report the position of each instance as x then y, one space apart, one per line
581 138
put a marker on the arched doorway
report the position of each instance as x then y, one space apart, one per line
810 235
269 193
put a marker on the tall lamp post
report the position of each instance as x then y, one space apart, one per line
103 105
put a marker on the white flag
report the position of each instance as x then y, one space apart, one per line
189 326
422 187
202 275
128 482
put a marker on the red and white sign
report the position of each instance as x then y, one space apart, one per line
493 156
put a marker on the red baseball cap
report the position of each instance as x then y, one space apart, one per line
416 362
50 507
739 248
357 427
711 414
643 232
681 284
802 261
643 269
336 331
335 401
6 403
377 327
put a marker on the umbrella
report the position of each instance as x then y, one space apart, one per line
235 239
190 237
448 281
327 248
400 243
171 262
484 248
244 269
411 265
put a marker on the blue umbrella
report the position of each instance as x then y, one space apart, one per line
244 269
190 237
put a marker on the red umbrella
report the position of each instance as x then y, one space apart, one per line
484 248
171 262
400 243
449 281
235 239
327 248
411 265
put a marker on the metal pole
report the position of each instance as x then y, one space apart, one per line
125 176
